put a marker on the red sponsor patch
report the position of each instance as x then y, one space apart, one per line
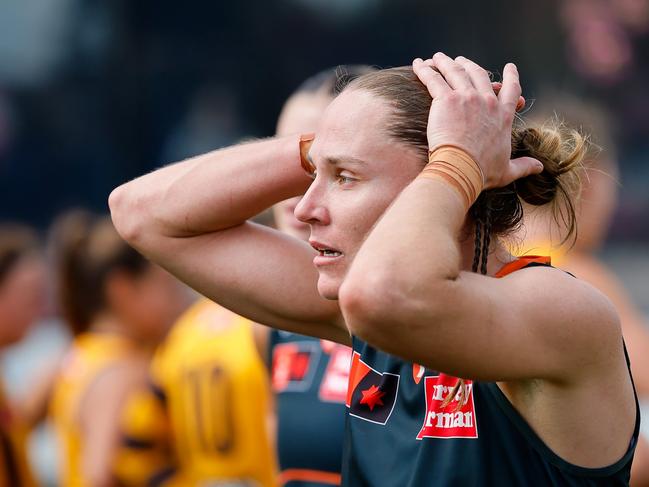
371 395
449 421
357 371
294 366
333 387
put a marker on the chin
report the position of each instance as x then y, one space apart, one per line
328 287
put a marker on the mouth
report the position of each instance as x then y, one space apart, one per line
324 252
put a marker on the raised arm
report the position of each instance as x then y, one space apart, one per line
411 297
190 218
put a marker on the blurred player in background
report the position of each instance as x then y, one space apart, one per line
22 301
118 306
210 392
595 210
309 375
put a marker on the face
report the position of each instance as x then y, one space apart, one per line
360 170
301 114
22 299
149 303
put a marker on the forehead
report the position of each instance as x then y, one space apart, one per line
354 125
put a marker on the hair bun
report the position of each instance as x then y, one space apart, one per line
560 150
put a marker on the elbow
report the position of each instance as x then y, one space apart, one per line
127 215
384 308
370 306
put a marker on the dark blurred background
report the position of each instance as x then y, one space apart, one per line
93 93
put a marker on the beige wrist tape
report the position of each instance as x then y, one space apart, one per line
456 168
306 140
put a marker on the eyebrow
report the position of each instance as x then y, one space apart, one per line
336 161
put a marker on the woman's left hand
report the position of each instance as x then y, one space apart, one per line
466 112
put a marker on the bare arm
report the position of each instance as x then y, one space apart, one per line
100 414
424 308
409 296
191 218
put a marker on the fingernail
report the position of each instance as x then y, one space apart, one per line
418 60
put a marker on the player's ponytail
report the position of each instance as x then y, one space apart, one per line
561 151
86 249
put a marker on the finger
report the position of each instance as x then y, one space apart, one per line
431 79
521 99
479 76
522 167
453 72
511 89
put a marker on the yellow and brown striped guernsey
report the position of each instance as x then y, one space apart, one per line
213 385
144 453
14 467
91 354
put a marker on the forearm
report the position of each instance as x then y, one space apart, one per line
210 192
392 278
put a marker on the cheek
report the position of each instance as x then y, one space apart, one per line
361 214
166 302
28 305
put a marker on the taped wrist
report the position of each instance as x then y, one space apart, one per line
456 168
306 140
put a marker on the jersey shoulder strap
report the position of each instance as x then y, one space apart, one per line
523 262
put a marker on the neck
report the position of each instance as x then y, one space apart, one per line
109 323
498 255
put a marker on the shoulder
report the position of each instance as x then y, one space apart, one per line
117 379
554 288
570 315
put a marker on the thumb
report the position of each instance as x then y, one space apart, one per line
524 166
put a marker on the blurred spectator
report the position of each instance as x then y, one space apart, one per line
22 302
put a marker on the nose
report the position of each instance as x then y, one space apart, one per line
312 209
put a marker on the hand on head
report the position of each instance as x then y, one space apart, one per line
470 112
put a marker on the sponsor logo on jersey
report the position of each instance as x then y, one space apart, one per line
449 421
336 378
294 366
371 395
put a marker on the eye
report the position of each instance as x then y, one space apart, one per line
344 178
